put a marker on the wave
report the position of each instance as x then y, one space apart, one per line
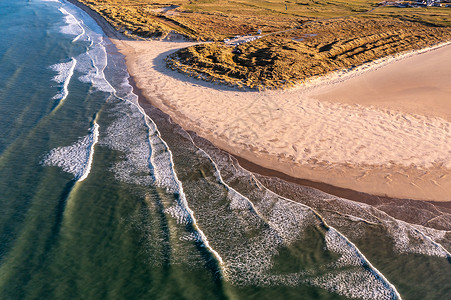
93 139
166 176
154 157
65 73
76 158
148 160
73 27
408 238
93 64
151 163
345 274
375 285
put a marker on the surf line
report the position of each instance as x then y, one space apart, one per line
182 197
68 14
153 127
365 263
94 138
66 80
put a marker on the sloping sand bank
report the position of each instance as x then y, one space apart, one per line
384 150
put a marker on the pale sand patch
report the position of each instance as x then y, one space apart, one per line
420 85
374 150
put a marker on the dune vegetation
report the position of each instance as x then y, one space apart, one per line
300 38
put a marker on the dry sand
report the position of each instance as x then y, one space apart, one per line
383 129
417 84
388 150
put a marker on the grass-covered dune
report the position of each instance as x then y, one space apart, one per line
326 35
283 60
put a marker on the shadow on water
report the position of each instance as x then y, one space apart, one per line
168 233
59 212
164 230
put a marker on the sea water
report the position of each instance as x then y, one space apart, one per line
99 200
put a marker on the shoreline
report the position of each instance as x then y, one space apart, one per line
336 175
323 187
257 126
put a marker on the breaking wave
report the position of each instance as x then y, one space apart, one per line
73 27
76 158
245 229
65 73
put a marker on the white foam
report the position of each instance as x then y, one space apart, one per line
73 27
95 61
380 287
237 200
94 139
407 238
417 239
344 283
251 263
76 158
166 177
65 73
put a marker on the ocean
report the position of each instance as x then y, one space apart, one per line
100 199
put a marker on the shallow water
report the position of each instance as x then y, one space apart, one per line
100 201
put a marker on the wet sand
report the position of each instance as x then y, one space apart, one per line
306 133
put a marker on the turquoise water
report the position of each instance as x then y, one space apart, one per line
99 201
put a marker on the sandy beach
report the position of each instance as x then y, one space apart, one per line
383 131
383 150
417 85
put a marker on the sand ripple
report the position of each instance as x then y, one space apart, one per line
292 132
